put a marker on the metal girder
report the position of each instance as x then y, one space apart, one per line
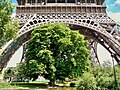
92 25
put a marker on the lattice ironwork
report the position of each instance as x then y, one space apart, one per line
96 26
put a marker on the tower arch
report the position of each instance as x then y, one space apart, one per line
87 16
91 32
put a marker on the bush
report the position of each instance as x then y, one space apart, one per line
87 82
99 78
105 83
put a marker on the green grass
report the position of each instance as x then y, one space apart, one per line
67 84
28 86
22 85
7 85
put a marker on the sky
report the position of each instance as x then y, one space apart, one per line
113 10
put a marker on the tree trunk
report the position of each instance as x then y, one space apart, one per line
52 83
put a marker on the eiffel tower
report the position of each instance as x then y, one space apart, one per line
87 16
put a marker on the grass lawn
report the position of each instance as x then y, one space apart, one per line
27 86
7 85
22 85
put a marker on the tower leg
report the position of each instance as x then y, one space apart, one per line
1 77
23 54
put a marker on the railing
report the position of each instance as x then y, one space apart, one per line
63 4
60 9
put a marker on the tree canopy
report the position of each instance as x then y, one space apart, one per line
8 28
57 52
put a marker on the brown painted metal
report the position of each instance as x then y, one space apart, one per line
90 20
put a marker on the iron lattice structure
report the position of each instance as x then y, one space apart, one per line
87 16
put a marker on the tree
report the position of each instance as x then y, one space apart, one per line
20 72
61 51
35 69
8 28
9 73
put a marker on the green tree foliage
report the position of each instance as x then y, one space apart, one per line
59 51
20 72
35 69
17 73
100 77
8 28
87 82
9 72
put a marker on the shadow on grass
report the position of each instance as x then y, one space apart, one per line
22 86
29 85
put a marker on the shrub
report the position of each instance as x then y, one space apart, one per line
100 78
105 83
87 82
